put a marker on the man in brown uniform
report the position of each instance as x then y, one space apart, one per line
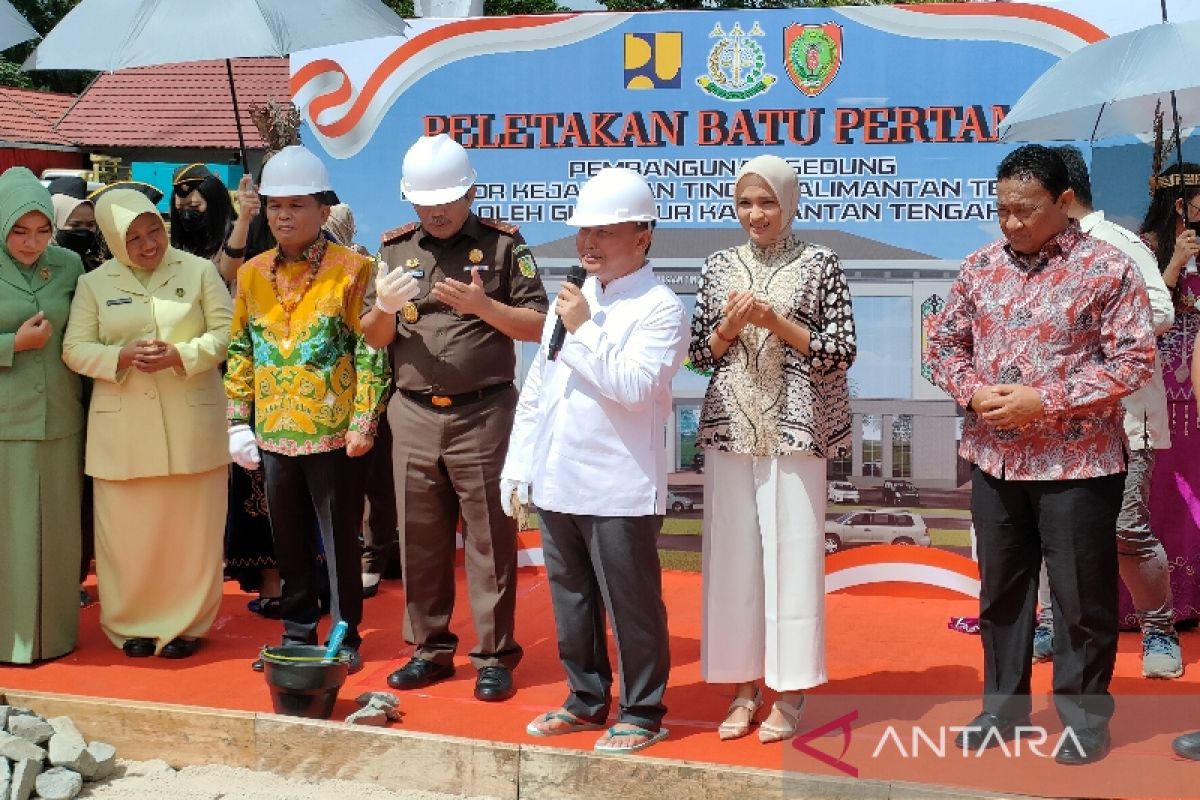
459 291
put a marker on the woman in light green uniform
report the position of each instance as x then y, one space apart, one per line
41 430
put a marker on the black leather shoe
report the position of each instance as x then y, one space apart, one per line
419 673
180 648
1188 745
1088 745
139 648
987 731
494 684
257 665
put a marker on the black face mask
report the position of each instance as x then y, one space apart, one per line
79 240
192 220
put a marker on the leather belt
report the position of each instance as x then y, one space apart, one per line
452 400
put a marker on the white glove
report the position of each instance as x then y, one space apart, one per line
507 486
394 289
243 448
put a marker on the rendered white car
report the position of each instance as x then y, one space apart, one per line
873 526
678 502
843 492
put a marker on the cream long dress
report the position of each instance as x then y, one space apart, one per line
156 443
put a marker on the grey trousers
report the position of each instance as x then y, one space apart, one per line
1140 555
609 564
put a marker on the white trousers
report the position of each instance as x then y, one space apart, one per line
764 570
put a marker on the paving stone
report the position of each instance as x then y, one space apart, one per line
67 751
105 756
5 778
65 726
58 783
4 712
376 698
369 716
15 748
32 729
392 711
24 778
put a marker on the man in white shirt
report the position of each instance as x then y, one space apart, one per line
1140 555
587 448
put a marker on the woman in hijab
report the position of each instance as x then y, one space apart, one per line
151 326
75 229
774 323
41 430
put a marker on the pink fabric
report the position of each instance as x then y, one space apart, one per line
1175 486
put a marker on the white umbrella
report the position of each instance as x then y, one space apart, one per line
109 35
13 27
1111 87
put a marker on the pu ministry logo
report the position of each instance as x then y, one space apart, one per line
654 60
736 64
812 55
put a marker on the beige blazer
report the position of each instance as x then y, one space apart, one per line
170 422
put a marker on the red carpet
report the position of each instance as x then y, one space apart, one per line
892 662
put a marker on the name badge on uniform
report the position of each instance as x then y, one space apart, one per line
480 267
120 301
417 273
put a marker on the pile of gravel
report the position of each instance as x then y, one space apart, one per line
47 758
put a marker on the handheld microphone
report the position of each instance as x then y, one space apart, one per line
575 277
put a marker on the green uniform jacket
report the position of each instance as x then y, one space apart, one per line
39 397
41 431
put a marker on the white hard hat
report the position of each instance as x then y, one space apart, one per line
436 171
292 172
613 195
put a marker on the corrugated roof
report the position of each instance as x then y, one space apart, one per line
175 105
28 116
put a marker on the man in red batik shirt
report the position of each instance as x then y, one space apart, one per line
1044 332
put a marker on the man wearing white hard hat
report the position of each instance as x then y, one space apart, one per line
588 450
301 373
460 290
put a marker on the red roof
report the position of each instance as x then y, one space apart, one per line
175 105
28 116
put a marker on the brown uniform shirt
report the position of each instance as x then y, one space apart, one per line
442 352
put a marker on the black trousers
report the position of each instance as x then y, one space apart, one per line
381 536
1072 525
329 485
599 564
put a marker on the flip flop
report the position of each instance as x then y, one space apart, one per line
651 738
573 724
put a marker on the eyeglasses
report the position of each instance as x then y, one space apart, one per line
185 188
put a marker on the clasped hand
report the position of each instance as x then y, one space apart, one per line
743 308
1007 406
149 355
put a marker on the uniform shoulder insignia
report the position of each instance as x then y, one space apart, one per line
500 225
396 233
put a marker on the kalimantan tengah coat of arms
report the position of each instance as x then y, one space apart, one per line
812 55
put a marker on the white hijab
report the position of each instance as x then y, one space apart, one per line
779 177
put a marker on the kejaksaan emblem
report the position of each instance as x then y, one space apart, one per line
736 64
812 55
